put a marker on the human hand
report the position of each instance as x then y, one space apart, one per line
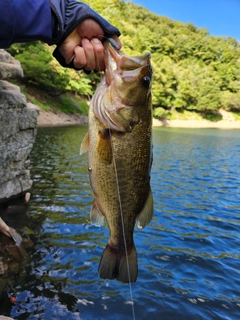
84 46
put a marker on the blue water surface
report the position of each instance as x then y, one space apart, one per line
189 260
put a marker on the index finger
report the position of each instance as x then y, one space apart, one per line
99 54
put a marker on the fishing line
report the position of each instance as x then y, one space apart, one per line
120 204
122 220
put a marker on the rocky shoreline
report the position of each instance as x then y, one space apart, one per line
49 118
61 119
18 123
200 124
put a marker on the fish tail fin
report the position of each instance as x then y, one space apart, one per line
115 264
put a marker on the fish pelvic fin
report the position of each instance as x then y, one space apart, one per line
114 264
145 216
96 216
84 144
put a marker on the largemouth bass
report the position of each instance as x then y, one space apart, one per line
119 145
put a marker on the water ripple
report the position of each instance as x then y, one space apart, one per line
188 255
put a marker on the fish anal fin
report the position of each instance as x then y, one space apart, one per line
145 216
104 147
96 216
84 144
114 264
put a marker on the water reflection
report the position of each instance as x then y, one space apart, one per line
188 255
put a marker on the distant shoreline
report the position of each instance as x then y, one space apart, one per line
49 118
222 124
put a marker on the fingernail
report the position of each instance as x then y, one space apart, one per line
85 40
96 41
70 60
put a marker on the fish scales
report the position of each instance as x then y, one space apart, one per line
119 144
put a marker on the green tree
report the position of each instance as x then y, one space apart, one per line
230 101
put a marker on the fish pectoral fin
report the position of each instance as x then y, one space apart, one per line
115 264
125 119
104 147
145 216
84 144
96 216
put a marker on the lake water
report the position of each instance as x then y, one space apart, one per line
189 259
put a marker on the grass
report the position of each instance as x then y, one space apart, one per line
67 103
72 104
213 117
41 105
191 115
183 115
236 115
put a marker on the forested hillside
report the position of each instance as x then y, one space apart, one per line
192 70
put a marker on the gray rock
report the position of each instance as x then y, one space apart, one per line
9 67
18 127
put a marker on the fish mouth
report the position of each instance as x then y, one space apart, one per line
117 61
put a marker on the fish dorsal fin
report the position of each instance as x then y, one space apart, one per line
104 147
145 216
96 216
84 144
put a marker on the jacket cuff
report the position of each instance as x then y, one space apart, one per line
68 14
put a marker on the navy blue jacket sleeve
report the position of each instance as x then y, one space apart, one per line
24 21
50 21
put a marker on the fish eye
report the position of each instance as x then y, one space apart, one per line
146 81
